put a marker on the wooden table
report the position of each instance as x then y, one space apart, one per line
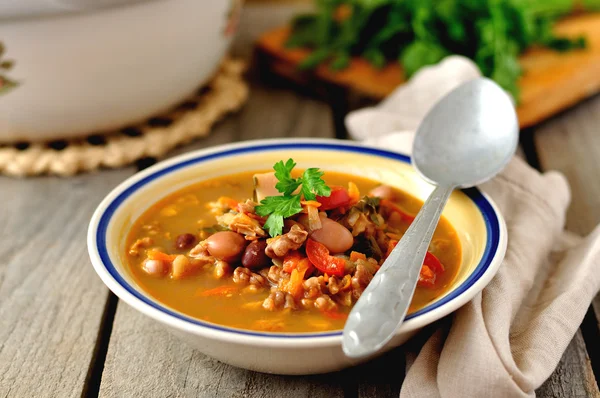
63 334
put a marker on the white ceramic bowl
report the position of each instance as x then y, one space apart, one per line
476 219
82 73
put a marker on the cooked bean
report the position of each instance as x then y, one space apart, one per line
182 267
383 192
254 256
156 268
325 303
185 241
226 245
334 236
222 269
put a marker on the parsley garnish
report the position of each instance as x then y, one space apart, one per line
279 207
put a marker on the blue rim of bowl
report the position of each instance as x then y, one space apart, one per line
491 221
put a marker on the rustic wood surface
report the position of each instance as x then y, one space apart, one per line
63 334
51 300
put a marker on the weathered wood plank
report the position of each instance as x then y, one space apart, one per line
570 143
145 360
51 301
573 377
273 113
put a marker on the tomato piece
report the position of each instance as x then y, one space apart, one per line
397 209
426 277
432 267
430 270
319 256
432 262
339 197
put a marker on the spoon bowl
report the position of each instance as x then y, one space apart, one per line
465 139
468 136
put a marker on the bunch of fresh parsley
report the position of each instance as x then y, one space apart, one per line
493 33
288 204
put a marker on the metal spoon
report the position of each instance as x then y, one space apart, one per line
464 140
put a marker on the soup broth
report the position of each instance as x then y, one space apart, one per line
161 257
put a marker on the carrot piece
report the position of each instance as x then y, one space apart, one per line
312 203
158 255
335 315
294 260
217 291
357 256
291 260
294 285
354 193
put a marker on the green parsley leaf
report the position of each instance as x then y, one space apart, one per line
274 224
313 185
278 208
283 172
285 205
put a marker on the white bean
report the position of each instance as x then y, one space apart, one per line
226 245
156 268
334 236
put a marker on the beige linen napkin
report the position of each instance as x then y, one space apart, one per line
506 341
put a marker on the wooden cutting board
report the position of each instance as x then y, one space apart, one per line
551 83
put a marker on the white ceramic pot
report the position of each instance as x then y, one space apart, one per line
37 8
83 73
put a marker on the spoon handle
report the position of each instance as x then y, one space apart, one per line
384 303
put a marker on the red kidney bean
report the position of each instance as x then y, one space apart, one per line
226 245
254 256
185 241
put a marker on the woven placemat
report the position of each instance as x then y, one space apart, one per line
226 92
